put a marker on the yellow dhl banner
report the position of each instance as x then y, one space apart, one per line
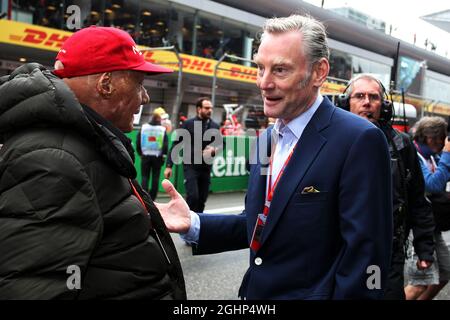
202 66
33 36
331 88
29 35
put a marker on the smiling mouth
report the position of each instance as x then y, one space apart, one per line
273 99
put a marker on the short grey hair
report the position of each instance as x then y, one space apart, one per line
432 127
313 31
365 76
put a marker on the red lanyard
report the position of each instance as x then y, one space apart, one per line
270 188
138 195
255 243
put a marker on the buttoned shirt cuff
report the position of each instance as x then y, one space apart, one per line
193 234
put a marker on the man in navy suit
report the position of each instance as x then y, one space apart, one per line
317 214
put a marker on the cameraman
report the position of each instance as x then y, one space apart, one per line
364 96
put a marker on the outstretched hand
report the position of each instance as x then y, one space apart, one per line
447 145
176 212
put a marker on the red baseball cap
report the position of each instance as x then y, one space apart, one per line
102 49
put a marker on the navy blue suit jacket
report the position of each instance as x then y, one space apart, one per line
317 245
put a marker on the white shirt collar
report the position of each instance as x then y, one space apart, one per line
298 124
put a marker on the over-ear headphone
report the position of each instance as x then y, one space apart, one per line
386 112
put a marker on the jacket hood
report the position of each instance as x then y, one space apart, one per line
31 96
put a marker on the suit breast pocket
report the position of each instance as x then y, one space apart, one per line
306 198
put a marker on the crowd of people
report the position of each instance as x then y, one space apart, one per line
335 194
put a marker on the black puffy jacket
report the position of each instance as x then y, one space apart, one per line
411 210
66 202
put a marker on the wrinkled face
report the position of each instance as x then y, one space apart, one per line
284 78
365 99
127 97
205 110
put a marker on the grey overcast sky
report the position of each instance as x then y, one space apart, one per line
404 16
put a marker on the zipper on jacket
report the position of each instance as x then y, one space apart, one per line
136 193
161 245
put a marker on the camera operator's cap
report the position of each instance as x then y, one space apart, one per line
101 49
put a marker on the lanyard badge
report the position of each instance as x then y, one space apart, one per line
255 243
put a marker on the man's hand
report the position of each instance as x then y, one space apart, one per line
175 213
423 264
208 154
209 151
167 173
447 145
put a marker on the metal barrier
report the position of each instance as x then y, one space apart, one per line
217 67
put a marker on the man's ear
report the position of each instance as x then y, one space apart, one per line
104 85
320 69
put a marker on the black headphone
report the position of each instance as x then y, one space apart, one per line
387 108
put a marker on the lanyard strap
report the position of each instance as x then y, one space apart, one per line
255 242
270 187
138 195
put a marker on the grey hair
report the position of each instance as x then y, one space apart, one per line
315 44
364 76
433 127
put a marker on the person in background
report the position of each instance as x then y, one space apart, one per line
433 147
165 119
227 129
151 145
237 126
364 96
166 122
208 52
197 168
181 119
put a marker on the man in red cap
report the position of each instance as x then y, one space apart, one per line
73 221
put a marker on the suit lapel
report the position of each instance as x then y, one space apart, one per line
305 152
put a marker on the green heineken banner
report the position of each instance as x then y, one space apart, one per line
229 170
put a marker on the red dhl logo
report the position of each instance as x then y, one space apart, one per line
243 73
205 66
34 36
